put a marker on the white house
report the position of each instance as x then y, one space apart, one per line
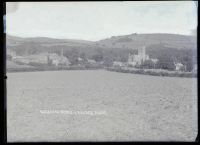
118 63
58 60
80 59
194 68
55 62
91 61
179 66
154 60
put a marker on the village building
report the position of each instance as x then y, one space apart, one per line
194 68
179 66
154 60
118 63
80 59
53 57
91 61
20 59
64 61
42 58
55 62
58 60
138 59
38 58
11 54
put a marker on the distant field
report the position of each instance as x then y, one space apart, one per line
138 107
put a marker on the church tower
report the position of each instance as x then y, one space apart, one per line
142 53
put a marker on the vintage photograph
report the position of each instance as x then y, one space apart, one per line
101 71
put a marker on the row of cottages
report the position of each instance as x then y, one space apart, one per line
42 58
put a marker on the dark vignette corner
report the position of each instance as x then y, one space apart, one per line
3 79
198 53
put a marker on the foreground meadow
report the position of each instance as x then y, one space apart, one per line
136 107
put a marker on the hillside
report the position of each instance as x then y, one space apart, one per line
134 41
24 46
14 41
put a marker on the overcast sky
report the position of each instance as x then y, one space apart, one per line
98 20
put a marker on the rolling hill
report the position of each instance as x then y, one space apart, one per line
132 41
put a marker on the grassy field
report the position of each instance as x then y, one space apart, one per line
138 107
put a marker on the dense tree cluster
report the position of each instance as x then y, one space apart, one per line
168 56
